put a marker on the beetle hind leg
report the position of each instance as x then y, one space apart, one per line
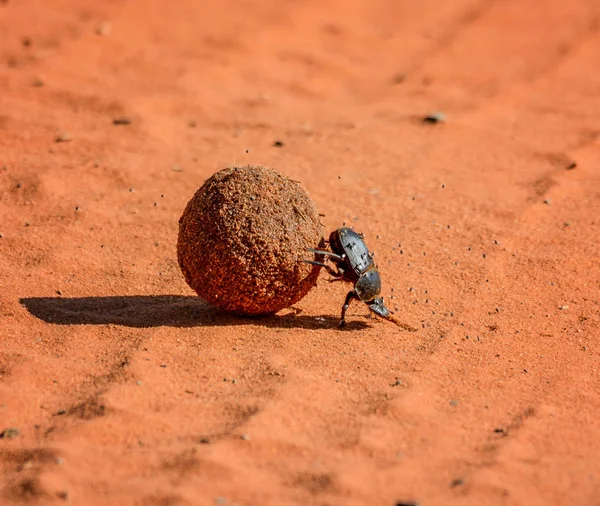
351 295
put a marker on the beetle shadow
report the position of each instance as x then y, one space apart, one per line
146 311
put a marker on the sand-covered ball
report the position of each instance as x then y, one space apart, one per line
242 239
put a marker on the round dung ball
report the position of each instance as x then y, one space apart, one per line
243 238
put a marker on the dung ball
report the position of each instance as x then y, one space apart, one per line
243 238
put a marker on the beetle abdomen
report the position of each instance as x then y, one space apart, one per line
368 286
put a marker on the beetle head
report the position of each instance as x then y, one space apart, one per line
378 307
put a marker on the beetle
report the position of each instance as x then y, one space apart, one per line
354 263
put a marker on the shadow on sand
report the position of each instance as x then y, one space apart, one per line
144 311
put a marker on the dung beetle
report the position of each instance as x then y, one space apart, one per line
354 263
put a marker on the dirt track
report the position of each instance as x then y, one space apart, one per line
127 389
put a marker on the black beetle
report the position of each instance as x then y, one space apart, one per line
354 264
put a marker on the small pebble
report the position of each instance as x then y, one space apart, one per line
10 433
457 482
62 137
434 118
104 29
122 120
245 437
563 307
398 78
278 144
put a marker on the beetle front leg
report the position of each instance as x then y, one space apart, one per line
328 268
351 295
326 253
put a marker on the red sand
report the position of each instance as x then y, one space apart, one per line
127 389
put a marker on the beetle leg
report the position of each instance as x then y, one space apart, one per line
351 295
335 274
321 264
312 262
325 252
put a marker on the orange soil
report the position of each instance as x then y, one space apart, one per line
127 389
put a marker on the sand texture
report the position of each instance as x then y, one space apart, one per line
120 386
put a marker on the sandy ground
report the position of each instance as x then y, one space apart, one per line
127 389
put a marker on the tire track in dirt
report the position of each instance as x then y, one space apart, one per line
472 15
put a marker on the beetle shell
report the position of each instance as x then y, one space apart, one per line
346 241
